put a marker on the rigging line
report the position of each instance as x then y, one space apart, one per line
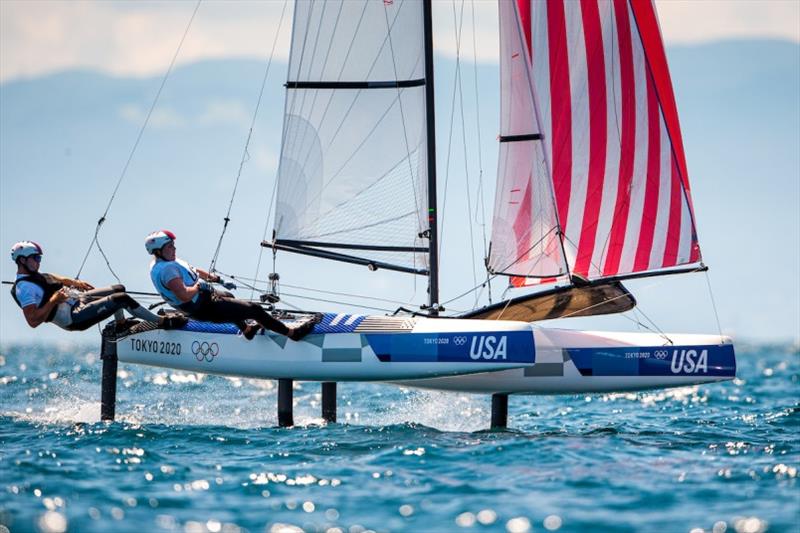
311 289
639 323
135 145
457 30
264 234
284 302
505 307
655 326
714 306
352 295
650 286
524 253
468 291
339 302
480 199
245 153
288 109
240 280
105 258
384 300
274 193
466 162
478 127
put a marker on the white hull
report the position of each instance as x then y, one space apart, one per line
555 372
448 354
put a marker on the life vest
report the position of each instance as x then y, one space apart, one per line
49 284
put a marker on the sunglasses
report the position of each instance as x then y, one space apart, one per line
37 258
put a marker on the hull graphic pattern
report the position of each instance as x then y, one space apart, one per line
462 355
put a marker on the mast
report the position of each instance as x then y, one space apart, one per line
433 229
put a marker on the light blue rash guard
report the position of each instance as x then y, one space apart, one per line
162 272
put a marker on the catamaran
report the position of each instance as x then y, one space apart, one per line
592 189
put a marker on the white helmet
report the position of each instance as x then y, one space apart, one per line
25 249
157 240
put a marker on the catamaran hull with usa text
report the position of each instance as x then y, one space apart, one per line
461 355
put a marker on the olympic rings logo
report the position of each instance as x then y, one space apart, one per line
661 354
205 350
459 341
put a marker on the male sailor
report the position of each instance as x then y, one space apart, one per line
70 304
187 288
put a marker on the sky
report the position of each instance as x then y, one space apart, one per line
138 37
135 41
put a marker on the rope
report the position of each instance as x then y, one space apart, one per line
133 150
338 302
245 153
714 306
464 143
480 193
449 142
254 287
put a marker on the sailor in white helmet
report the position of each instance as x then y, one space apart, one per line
185 287
71 304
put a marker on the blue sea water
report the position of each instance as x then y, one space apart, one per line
190 452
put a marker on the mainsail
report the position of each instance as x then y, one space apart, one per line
352 180
602 142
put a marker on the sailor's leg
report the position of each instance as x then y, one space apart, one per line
236 311
101 291
89 314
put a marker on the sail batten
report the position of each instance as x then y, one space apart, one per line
606 112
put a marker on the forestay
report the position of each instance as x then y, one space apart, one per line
352 176
611 149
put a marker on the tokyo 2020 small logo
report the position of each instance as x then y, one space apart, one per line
205 350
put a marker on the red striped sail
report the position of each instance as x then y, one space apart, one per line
610 156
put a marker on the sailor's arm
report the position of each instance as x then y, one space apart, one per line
75 283
213 278
181 291
35 316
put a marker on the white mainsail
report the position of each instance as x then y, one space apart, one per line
353 162
603 95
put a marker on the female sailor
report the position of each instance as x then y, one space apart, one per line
187 288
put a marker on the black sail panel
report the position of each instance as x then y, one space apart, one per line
561 302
